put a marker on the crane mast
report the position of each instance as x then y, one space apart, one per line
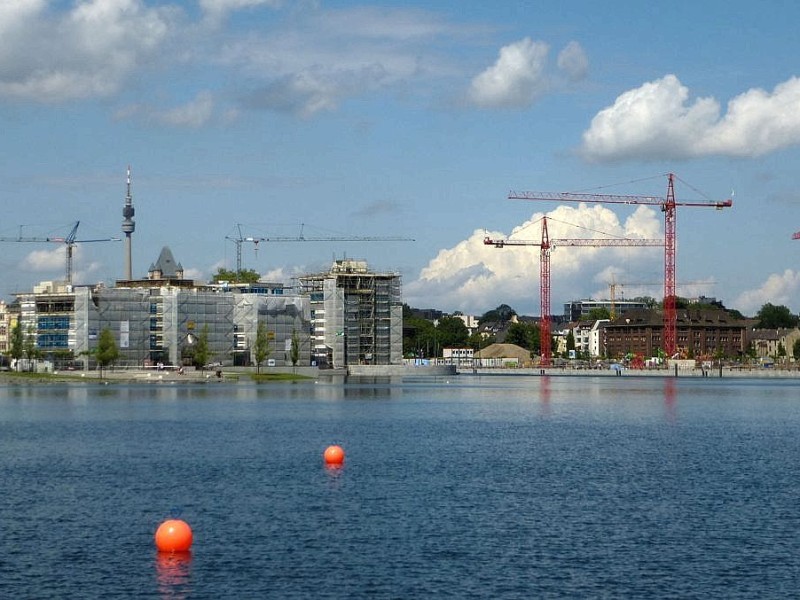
545 247
668 206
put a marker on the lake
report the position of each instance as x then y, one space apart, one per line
467 487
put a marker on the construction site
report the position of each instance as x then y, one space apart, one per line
346 316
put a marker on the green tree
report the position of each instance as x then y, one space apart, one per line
201 350
262 349
501 314
243 276
596 314
477 341
796 349
16 350
29 348
523 335
570 341
294 350
452 333
419 337
775 317
106 352
781 349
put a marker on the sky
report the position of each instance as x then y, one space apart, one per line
414 120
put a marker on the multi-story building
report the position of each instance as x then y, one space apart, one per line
5 327
574 310
160 319
356 315
767 343
700 332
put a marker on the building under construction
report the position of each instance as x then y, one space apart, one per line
160 319
356 315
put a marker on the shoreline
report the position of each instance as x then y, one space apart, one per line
289 375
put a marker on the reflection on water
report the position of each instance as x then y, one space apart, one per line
670 408
544 395
173 574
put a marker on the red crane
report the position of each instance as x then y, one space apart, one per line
668 206
544 271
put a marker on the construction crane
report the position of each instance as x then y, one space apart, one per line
241 239
69 240
546 245
668 206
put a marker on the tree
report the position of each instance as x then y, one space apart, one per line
106 351
294 350
477 341
570 341
201 351
262 349
596 314
523 335
418 334
501 314
452 332
775 317
243 276
29 348
796 349
16 346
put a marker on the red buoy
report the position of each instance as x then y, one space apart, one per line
334 455
174 535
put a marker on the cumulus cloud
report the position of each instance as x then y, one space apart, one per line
519 76
53 261
573 61
474 277
657 121
50 259
778 289
515 80
86 52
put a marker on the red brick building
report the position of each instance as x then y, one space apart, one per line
700 331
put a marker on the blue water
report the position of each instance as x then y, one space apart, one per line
476 487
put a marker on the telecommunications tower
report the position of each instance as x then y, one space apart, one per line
128 226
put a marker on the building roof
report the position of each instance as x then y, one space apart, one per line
166 265
686 317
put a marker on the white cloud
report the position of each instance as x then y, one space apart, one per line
573 61
315 90
195 113
657 121
515 80
50 259
87 52
329 56
474 277
778 289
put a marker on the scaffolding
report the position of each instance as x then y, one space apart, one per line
356 315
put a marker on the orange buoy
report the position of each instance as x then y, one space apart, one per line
334 455
174 535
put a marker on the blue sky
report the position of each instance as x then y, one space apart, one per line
410 119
